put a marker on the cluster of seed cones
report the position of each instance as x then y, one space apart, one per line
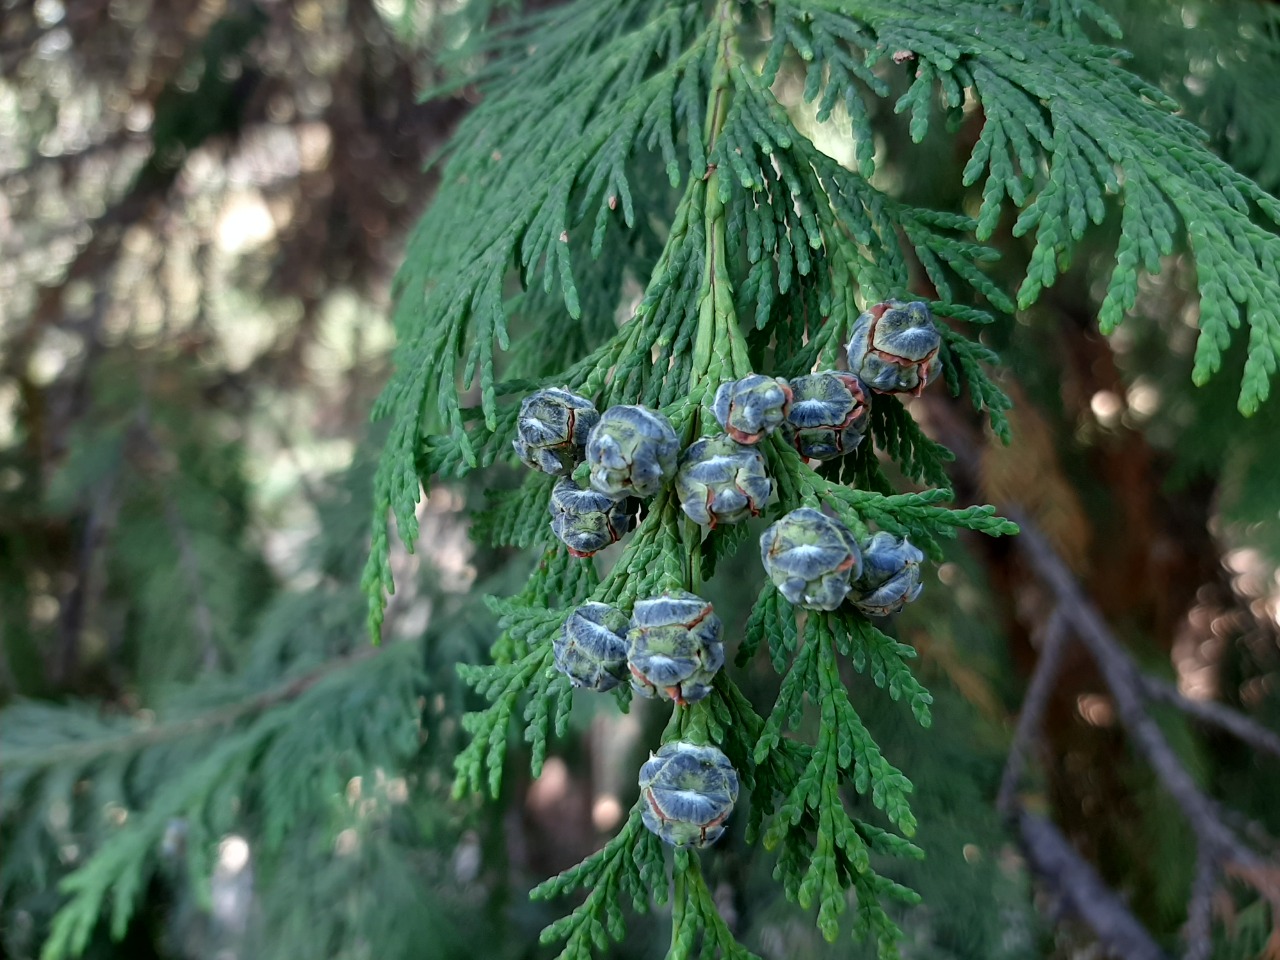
671 646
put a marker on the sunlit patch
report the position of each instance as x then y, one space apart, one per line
1107 407
53 43
397 790
1096 709
244 223
231 886
49 12
606 812
43 609
233 854
550 788
1195 653
315 145
445 542
466 858
57 349
1250 571
8 413
115 814
1143 398
346 843
139 117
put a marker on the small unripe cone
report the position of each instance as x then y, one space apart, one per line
631 451
591 648
890 575
552 429
749 408
674 648
722 481
811 558
828 416
587 521
689 791
894 347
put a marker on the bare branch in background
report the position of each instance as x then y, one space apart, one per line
1124 680
1199 927
1220 849
1213 714
1054 642
1079 888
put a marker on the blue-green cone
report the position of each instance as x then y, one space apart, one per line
749 408
811 558
689 791
894 347
890 575
828 416
722 481
552 429
631 451
591 648
673 647
587 521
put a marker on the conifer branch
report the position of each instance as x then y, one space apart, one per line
76 753
773 256
274 750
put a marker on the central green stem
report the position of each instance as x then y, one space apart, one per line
718 336
719 353
719 350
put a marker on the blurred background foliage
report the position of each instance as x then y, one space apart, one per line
202 206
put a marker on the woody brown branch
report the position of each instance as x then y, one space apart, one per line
1124 680
1220 851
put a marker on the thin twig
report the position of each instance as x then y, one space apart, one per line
1197 933
81 750
1123 678
1215 714
1054 643
1074 881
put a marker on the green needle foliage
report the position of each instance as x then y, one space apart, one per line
652 145
111 821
